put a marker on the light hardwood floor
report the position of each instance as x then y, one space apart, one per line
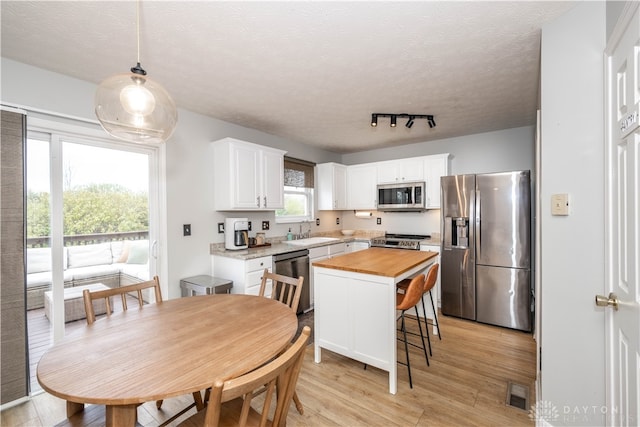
466 384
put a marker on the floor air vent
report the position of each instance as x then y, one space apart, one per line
518 396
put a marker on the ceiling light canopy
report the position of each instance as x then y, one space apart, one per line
133 107
410 117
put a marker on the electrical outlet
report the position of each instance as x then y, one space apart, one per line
186 229
221 227
317 221
337 221
265 225
378 221
249 225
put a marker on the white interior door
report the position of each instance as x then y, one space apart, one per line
623 224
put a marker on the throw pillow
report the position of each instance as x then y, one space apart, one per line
138 253
124 254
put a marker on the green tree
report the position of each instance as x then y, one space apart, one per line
93 209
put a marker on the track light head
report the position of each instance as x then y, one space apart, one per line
432 123
393 121
374 120
409 122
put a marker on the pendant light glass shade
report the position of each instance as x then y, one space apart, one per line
134 108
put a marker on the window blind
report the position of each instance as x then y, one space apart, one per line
298 173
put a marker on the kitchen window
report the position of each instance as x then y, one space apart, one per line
298 191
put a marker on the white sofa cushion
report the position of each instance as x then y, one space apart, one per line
140 271
38 260
88 255
44 278
94 271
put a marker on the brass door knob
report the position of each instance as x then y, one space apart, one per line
612 300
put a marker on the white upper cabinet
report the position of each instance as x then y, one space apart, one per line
402 170
248 176
331 186
361 186
435 167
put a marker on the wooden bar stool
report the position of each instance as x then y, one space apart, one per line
404 302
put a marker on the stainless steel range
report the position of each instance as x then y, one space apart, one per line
399 241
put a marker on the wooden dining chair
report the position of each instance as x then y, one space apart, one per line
286 290
230 401
124 292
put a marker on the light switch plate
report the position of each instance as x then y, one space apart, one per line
560 204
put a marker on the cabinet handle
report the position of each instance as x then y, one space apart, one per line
265 201
258 201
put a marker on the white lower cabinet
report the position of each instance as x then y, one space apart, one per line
356 246
246 274
320 253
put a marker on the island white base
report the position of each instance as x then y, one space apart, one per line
355 316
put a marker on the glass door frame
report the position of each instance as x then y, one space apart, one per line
89 134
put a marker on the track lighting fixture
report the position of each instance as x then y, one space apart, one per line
411 117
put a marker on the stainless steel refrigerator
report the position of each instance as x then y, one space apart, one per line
486 248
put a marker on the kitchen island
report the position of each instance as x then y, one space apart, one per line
355 300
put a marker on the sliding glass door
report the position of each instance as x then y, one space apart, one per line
91 224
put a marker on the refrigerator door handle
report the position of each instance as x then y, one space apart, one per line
478 227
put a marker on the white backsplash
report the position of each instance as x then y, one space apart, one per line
427 222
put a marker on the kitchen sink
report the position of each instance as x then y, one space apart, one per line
311 241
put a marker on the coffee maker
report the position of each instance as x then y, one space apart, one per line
236 233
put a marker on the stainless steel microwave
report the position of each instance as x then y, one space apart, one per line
405 196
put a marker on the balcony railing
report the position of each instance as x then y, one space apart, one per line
87 239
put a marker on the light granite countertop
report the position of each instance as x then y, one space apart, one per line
279 245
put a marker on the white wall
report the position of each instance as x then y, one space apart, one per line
503 150
572 161
189 181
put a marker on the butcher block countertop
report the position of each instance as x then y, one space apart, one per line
377 261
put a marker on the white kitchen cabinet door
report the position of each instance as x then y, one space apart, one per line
245 165
435 167
331 186
402 170
273 180
315 254
248 176
435 292
361 187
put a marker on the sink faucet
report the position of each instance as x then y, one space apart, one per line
304 235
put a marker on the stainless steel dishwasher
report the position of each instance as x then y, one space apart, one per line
296 264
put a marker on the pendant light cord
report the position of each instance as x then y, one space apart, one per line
138 27
138 68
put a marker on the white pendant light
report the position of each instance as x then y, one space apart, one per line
133 107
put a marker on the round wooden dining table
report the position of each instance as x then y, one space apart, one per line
175 347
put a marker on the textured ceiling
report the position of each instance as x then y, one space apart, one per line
311 72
